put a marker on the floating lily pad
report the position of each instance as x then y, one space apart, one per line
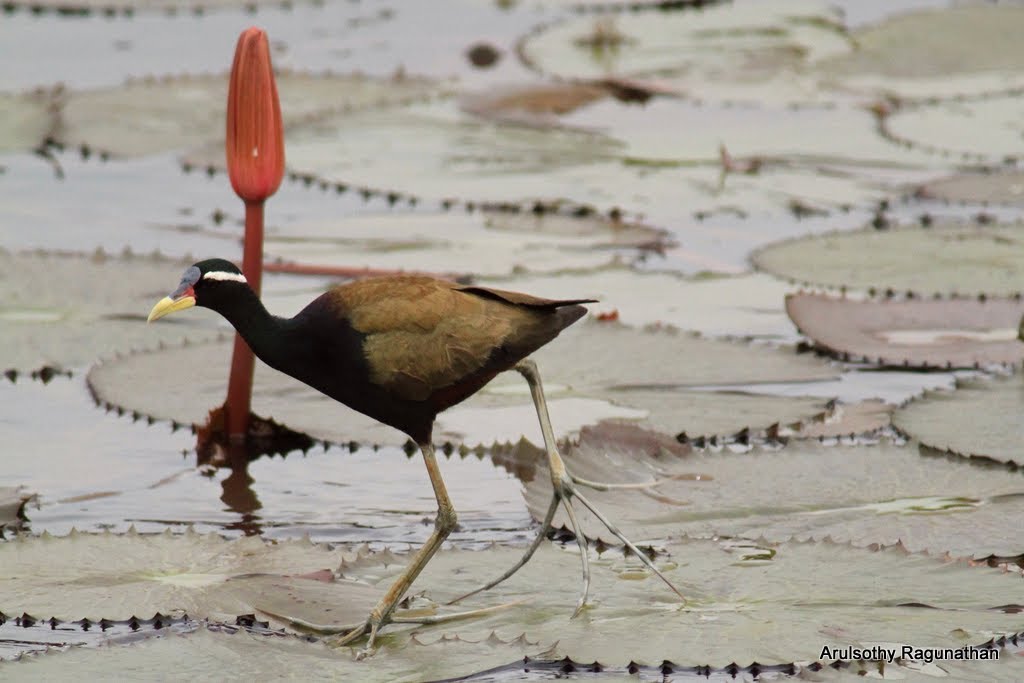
987 188
436 152
257 656
995 126
909 54
585 363
740 50
535 105
738 593
118 576
882 494
130 7
991 408
924 333
741 306
480 243
946 258
150 116
26 119
70 320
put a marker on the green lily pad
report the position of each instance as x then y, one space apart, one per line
584 378
909 54
923 333
946 258
991 408
486 243
150 116
26 119
994 123
883 494
735 51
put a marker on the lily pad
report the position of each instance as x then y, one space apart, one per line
585 363
883 494
118 576
489 243
26 119
738 593
988 188
908 54
150 116
435 152
991 408
49 321
923 333
939 128
130 7
740 50
740 306
945 258
255 656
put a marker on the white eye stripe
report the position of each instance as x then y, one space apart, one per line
221 275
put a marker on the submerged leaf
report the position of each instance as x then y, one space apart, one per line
945 258
584 376
882 494
924 333
991 408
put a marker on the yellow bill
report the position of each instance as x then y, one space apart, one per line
167 305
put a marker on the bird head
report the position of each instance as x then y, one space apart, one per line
204 284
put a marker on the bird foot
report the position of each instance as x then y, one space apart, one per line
369 627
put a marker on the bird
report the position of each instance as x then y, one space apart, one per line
401 349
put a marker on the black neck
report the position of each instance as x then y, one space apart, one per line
267 335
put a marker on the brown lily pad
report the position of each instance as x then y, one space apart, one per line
977 188
921 333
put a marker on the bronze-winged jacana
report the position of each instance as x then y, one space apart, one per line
401 350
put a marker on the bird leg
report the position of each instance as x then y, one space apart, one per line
565 489
443 525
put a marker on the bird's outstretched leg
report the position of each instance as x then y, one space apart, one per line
565 489
443 525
